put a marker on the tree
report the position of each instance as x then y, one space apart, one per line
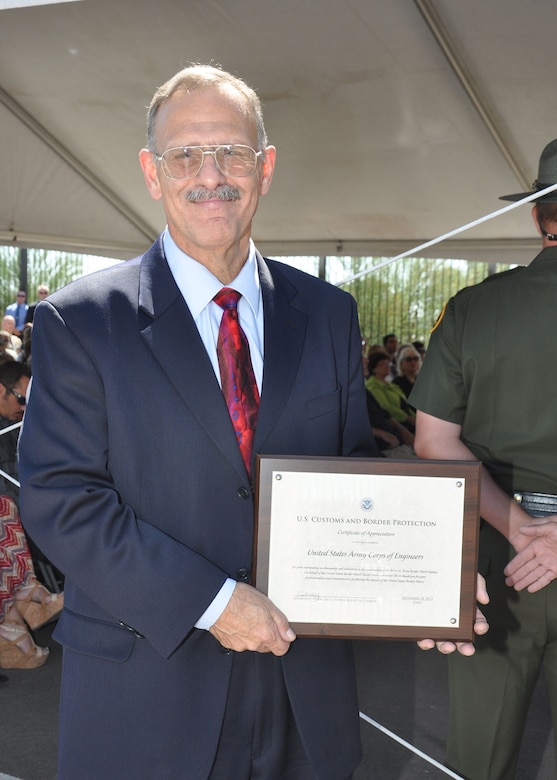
44 266
406 297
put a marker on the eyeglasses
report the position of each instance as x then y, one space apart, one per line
185 162
20 398
20 295
414 357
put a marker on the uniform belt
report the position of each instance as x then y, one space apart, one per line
536 504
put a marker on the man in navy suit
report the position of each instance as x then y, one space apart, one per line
133 483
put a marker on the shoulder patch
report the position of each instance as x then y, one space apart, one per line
439 318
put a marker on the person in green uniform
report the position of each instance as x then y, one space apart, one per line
487 391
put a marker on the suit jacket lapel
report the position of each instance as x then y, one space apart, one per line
285 331
172 335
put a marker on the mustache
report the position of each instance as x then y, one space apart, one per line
222 192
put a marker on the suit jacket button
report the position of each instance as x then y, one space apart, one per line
242 575
243 492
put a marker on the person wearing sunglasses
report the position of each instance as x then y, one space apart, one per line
408 365
24 602
18 310
14 381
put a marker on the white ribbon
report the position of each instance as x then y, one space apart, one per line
10 478
408 746
2 432
10 428
451 233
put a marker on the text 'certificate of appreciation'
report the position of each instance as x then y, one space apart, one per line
357 550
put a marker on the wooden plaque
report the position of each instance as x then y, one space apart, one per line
369 547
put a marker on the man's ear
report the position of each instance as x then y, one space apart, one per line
267 169
535 218
150 173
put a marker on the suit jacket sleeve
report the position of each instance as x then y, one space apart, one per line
134 571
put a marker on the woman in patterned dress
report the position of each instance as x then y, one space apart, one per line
24 602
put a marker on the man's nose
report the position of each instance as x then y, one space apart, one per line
210 172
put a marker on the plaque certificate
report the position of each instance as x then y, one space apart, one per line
369 547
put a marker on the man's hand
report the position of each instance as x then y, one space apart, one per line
251 622
480 627
535 565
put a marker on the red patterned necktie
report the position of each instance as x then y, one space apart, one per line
236 372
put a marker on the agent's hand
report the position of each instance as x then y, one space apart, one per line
251 622
535 565
480 627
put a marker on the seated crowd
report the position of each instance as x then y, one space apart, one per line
390 371
25 603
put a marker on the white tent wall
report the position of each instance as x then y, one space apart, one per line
394 121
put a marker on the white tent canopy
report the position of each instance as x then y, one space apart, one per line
395 120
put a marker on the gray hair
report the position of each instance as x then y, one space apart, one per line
403 353
201 76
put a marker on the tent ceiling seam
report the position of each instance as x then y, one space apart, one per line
434 23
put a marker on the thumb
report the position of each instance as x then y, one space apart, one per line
281 622
537 529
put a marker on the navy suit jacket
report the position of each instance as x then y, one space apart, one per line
134 486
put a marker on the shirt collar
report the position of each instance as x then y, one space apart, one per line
548 253
199 286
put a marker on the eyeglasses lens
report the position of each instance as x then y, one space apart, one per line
19 398
233 160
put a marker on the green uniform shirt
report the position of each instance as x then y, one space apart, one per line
491 367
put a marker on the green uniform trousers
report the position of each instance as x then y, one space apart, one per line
491 691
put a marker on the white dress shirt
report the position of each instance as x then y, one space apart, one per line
198 287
